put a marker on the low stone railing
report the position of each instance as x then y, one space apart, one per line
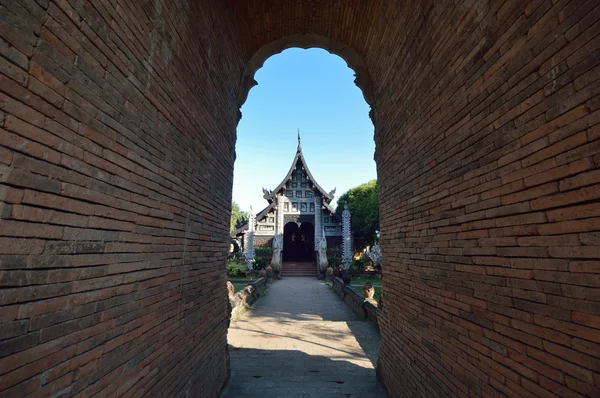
366 309
246 297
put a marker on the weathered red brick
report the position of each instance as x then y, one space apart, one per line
567 198
559 172
487 148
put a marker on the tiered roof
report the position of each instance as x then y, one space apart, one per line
298 163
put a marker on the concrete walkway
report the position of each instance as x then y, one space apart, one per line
302 340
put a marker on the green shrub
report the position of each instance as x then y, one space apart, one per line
263 250
259 263
357 265
334 262
236 268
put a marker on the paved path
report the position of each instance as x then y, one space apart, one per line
302 340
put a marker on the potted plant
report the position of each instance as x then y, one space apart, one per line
269 272
329 274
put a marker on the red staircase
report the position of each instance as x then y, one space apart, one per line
293 268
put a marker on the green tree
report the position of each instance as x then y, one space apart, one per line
364 208
238 217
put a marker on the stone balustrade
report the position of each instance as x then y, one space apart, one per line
366 309
240 300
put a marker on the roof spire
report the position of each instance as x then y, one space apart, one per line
299 146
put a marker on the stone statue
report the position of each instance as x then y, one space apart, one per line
277 246
230 289
376 256
368 291
323 263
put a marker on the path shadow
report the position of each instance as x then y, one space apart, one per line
292 373
321 304
368 337
305 341
302 299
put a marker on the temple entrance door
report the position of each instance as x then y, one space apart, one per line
298 242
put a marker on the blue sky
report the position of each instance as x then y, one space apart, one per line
314 91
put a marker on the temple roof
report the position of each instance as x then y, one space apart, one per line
262 214
270 195
298 159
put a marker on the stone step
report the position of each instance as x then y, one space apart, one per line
298 269
294 271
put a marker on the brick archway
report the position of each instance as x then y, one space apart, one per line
363 81
117 140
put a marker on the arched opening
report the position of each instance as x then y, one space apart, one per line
305 41
316 91
330 106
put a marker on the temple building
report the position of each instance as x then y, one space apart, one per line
299 222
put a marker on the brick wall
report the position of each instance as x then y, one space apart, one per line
261 240
116 183
117 148
488 159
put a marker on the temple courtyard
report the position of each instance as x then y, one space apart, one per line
302 340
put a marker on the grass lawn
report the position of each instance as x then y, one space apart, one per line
377 295
361 281
240 282
238 286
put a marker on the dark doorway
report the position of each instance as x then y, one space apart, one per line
299 242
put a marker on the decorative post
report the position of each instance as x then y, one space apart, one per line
320 236
318 224
278 235
346 238
250 240
279 219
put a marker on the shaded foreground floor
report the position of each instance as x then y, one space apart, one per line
302 341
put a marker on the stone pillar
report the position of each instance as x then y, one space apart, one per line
346 238
318 221
278 235
279 215
250 239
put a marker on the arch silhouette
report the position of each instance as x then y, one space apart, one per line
306 41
